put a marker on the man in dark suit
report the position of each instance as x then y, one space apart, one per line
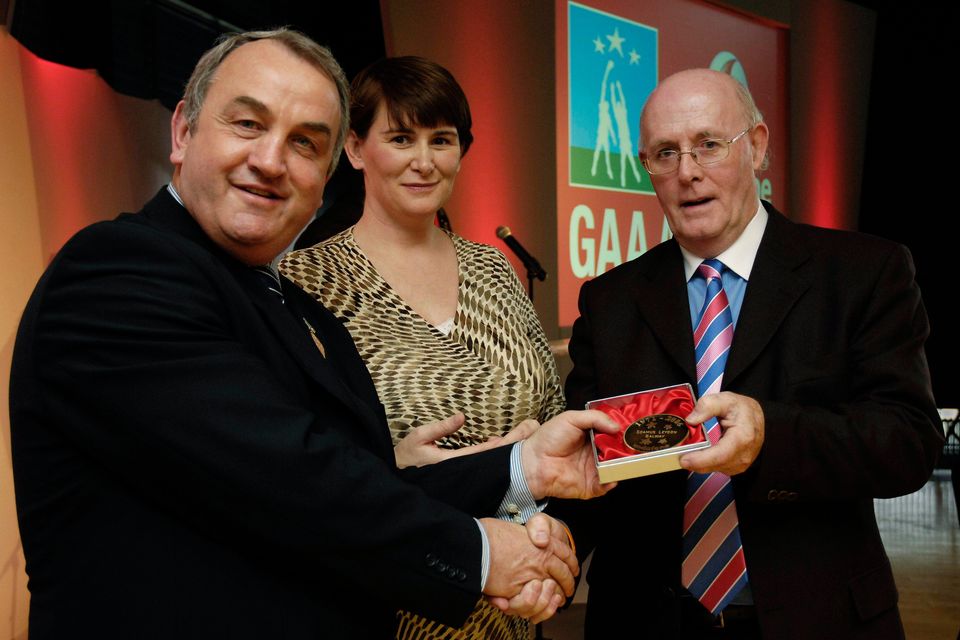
824 399
198 454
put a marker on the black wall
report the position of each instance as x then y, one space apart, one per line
911 186
147 48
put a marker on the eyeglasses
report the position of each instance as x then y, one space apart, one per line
704 153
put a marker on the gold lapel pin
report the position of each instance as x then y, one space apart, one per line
316 339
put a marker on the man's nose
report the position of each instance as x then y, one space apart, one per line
689 170
266 156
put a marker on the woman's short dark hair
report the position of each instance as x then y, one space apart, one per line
415 92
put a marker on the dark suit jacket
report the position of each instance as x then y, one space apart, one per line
187 465
830 341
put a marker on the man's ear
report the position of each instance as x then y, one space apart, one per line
352 147
759 138
179 134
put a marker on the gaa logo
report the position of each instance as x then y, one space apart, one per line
613 68
726 62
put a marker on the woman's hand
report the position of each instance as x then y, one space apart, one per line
419 448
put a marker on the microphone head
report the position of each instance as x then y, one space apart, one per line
503 232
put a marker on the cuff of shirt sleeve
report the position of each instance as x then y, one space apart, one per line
484 556
518 503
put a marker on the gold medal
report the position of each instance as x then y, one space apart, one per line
656 432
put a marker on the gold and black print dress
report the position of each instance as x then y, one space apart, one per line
494 365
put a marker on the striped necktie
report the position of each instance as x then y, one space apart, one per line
270 280
713 569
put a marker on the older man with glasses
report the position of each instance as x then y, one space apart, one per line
806 348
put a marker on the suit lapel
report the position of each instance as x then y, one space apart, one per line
290 326
776 284
341 353
661 299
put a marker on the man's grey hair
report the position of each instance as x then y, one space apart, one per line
297 43
752 115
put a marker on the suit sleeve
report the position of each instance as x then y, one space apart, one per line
465 482
860 422
143 367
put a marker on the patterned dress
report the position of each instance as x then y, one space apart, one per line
494 365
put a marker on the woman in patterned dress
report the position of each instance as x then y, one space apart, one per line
442 323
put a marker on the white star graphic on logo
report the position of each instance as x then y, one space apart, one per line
598 45
634 57
616 41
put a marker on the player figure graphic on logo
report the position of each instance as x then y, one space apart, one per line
623 132
604 126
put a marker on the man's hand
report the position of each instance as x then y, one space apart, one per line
741 419
539 599
558 461
419 447
544 530
515 561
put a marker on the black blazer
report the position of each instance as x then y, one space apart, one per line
188 465
830 341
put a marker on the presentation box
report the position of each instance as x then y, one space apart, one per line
653 433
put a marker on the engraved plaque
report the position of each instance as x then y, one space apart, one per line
656 432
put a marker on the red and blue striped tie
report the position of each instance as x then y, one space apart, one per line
713 569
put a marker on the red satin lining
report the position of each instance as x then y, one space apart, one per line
675 400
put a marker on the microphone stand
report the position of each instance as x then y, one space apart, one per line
534 270
530 278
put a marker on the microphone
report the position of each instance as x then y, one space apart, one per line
534 270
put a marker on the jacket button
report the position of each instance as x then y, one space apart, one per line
792 496
461 575
772 495
431 559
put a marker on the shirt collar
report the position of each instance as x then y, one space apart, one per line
740 255
176 196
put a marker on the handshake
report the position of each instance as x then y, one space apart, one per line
535 565
532 567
